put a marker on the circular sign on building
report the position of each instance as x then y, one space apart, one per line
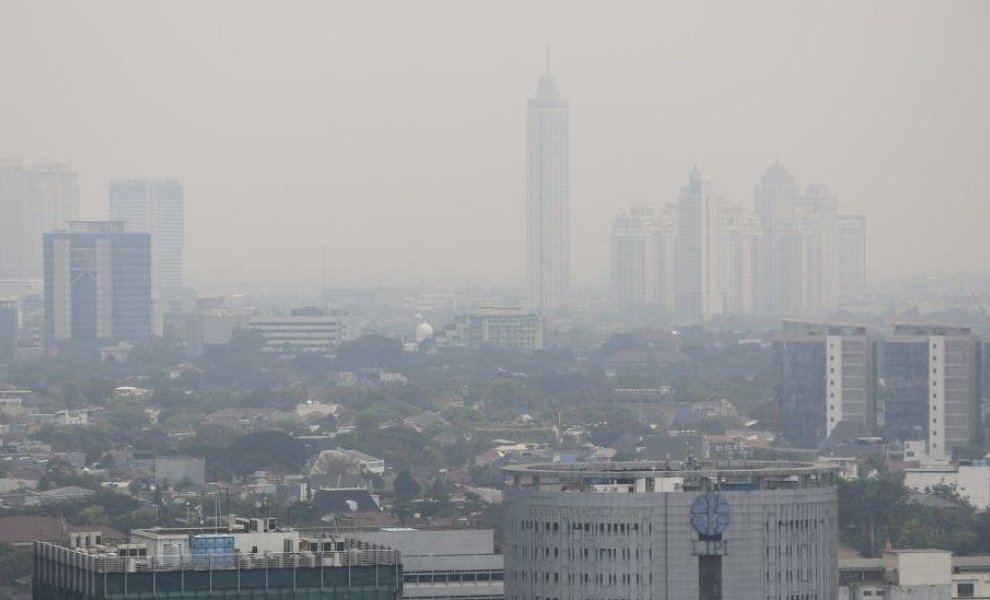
710 514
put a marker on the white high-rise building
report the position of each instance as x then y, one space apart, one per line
740 251
548 196
799 260
776 195
852 255
699 250
641 260
154 206
33 201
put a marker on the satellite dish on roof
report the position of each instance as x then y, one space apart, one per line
352 505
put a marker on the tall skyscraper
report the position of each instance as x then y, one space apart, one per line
33 201
548 252
154 206
97 283
641 260
740 252
852 255
699 250
798 264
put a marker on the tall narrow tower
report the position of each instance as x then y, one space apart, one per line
548 244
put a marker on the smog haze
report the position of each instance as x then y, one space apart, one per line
389 137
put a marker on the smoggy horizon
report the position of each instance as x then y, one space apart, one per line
391 138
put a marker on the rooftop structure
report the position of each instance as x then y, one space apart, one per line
234 562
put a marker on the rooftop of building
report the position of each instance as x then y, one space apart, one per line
931 329
816 328
684 475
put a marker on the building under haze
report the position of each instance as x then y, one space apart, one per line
9 329
154 206
33 201
740 253
852 255
641 260
798 264
699 250
929 386
673 530
548 252
823 386
501 326
97 283
307 329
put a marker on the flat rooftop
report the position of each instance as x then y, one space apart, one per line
684 475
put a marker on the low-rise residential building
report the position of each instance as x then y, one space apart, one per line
304 330
505 327
970 482
359 462
920 574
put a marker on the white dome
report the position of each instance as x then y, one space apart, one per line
424 331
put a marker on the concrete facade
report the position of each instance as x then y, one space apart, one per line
671 530
458 564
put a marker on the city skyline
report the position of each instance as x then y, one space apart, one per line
443 154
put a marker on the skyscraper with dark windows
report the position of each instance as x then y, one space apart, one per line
154 206
929 386
824 382
548 252
97 283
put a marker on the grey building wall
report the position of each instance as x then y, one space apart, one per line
458 563
781 544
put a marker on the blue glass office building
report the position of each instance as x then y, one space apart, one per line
97 283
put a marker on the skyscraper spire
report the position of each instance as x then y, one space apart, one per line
548 59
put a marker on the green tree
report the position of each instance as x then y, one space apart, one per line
15 563
407 492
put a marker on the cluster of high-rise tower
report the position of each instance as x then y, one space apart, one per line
700 256
98 277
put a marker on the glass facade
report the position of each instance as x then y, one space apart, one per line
799 390
64 574
903 388
97 285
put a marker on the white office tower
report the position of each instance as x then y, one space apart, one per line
699 250
641 260
548 196
852 255
798 263
154 206
33 201
740 251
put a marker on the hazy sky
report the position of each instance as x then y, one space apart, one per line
392 133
